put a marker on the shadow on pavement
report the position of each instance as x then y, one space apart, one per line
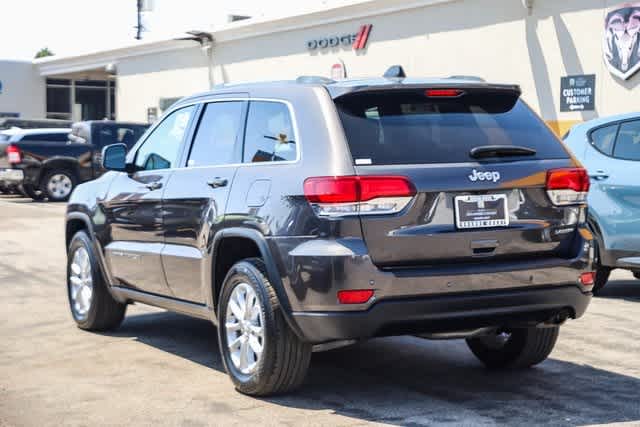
621 289
411 381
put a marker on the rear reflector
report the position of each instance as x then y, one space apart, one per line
568 186
587 279
443 93
352 195
359 296
13 154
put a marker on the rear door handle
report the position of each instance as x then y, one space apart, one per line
153 185
217 182
599 175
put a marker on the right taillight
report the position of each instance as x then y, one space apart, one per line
568 186
13 154
334 196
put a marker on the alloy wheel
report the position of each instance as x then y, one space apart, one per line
244 325
59 186
80 283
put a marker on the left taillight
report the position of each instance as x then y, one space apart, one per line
567 186
334 196
13 154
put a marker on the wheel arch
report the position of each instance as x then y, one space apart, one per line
63 163
601 246
260 248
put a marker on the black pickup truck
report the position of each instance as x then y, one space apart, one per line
52 169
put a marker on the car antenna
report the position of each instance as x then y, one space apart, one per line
395 72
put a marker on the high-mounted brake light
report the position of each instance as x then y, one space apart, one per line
13 154
355 296
443 93
353 195
568 186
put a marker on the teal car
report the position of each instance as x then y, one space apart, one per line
609 148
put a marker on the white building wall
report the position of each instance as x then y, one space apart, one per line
495 39
23 90
144 80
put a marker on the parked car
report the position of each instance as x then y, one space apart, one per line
306 215
11 179
14 122
45 169
609 148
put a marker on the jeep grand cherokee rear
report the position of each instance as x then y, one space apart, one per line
472 218
301 216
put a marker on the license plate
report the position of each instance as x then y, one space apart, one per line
481 211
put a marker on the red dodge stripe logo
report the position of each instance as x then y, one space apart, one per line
362 37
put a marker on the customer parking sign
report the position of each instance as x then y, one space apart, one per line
577 93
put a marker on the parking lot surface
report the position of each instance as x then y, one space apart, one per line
164 369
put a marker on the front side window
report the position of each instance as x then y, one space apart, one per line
604 137
269 135
216 139
628 141
160 149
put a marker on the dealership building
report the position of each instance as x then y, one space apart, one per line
574 59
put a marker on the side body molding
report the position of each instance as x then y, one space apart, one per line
270 263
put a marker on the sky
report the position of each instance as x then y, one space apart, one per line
69 27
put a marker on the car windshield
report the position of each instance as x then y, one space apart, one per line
409 128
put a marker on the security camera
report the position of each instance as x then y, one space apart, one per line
528 4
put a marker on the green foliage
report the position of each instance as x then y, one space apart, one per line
44 52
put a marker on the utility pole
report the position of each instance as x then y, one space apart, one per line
139 26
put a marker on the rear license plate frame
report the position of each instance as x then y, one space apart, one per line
485 216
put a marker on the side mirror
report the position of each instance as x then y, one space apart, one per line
114 157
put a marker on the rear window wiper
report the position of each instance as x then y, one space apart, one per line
500 151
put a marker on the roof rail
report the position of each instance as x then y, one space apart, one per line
473 78
314 80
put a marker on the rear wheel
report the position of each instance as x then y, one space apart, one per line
601 278
514 348
58 184
260 352
636 274
92 306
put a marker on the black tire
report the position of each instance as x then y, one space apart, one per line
104 313
636 274
285 359
33 192
524 348
601 278
54 176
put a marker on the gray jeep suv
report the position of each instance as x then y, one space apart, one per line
301 216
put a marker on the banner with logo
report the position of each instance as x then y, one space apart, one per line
621 42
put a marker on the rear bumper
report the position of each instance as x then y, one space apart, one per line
11 176
444 313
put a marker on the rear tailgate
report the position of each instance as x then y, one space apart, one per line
466 209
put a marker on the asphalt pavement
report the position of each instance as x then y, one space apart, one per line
161 368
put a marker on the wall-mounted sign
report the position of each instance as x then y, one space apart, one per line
578 93
357 41
621 42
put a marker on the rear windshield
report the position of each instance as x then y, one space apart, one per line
406 127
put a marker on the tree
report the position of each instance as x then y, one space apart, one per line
44 52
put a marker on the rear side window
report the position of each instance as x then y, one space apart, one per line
628 141
406 127
604 138
269 135
217 138
119 134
